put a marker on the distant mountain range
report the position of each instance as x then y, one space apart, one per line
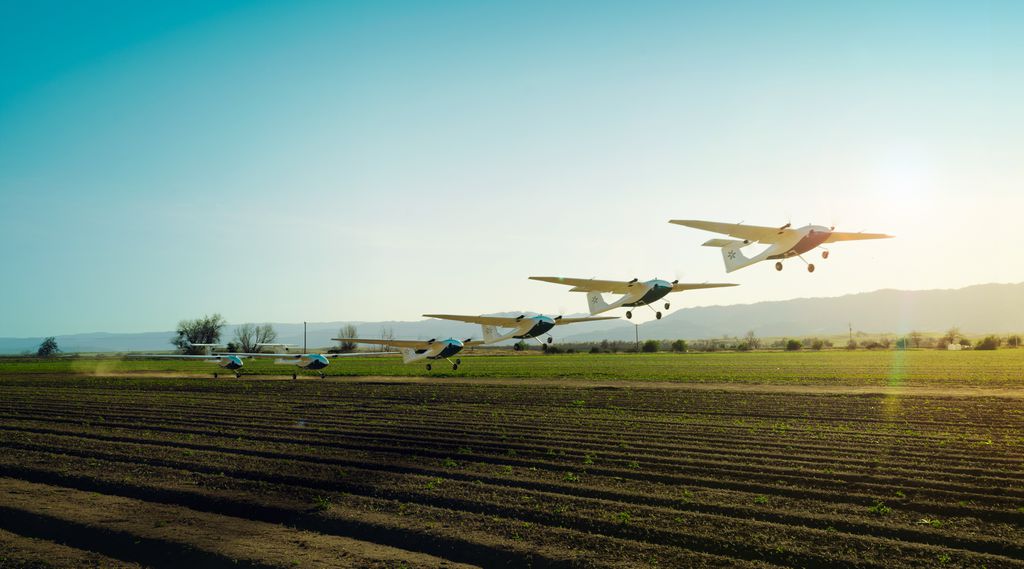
996 308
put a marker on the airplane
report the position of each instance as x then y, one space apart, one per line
634 293
522 326
418 350
783 242
231 362
310 361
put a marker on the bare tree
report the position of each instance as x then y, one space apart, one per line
915 338
248 337
347 331
752 341
205 330
386 334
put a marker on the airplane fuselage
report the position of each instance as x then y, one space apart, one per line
230 362
439 350
657 290
809 238
542 325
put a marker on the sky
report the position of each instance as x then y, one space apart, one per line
364 161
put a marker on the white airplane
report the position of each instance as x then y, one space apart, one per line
419 350
783 242
521 327
312 361
230 362
634 293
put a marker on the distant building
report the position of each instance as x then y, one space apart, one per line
955 346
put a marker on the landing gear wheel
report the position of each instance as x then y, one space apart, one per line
295 376
455 367
458 361
429 367
321 375
550 339
517 347
238 375
810 268
544 347
658 315
214 376
629 314
666 306
778 265
824 254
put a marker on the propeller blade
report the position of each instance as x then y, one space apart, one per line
431 341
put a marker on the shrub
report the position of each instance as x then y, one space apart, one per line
989 343
817 344
793 345
851 345
1013 341
651 346
680 346
595 350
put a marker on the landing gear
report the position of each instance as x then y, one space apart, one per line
657 315
778 265
214 376
237 375
295 375
550 339
321 375
810 267
824 254
629 314
455 367
458 361
517 346
429 367
667 306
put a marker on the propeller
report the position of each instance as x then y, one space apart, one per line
520 317
675 282
431 341
785 227
467 340
559 317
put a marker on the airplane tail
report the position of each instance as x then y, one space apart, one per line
408 354
491 333
596 302
732 253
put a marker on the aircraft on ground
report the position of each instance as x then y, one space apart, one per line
521 327
230 362
783 242
634 293
419 350
310 361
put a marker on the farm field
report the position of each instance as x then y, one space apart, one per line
932 368
455 472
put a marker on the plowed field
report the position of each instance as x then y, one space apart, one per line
438 473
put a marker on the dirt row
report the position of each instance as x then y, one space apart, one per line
503 476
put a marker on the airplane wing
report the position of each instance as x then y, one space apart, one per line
417 344
590 285
504 322
560 321
696 286
840 236
180 357
355 354
737 230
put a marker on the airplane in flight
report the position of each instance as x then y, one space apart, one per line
783 242
419 350
634 293
521 327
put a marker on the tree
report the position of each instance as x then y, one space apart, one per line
793 345
205 330
386 334
751 340
651 346
1013 341
989 343
48 348
347 331
915 339
679 346
250 336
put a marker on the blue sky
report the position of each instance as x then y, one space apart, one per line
289 161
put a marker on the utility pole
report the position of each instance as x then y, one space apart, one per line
637 329
303 337
850 324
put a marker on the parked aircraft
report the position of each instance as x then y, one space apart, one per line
521 327
419 350
783 242
634 293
